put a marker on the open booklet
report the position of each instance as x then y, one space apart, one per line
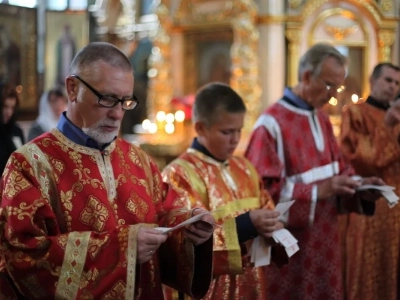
386 191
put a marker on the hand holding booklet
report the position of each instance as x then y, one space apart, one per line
183 224
261 251
386 191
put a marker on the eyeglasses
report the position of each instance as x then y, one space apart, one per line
330 87
108 100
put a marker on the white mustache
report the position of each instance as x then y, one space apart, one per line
108 123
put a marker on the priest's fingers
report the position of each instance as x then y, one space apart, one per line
267 233
264 219
150 236
198 236
373 180
344 185
148 241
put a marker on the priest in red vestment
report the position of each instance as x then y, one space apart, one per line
207 175
296 154
370 140
79 206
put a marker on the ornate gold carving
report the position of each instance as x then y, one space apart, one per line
385 41
293 34
189 14
244 56
387 6
294 3
160 84
339 32
312 5
269 19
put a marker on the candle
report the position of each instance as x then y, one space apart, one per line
180 118
169 128
160 117
354 98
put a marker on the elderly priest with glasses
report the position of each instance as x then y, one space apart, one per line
80 207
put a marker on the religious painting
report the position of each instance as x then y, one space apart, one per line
18 54
207 57
66 33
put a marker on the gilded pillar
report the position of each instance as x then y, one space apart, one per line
244 55
160 91
293 35
271 25
385 41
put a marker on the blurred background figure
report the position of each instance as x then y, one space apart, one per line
52 104
11 136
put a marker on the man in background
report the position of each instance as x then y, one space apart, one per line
295 152
369 139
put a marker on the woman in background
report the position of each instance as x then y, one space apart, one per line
52 104
11 136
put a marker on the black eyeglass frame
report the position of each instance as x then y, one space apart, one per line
101 96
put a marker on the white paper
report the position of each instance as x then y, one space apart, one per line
282 207
385 190
292 250
261 251
375 187
284 237
183 224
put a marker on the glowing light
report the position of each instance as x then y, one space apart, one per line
146 124
169 128
152 73
354 98
160 116
179 116
153 128
333 101
169 118
19 89
341 89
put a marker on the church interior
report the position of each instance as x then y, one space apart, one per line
176 46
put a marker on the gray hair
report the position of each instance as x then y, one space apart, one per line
87 58
316 55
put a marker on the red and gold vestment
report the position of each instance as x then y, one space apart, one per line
229 188
372 244
69 220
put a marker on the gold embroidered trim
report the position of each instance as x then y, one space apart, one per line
232 208
74 261
78 148
107 174
45 175
232 246
103 163
131 262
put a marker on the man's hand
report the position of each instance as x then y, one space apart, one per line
392 116
265 221
371 195
200 231
340 185
149 240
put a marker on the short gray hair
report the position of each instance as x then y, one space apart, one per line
313 58
87 58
